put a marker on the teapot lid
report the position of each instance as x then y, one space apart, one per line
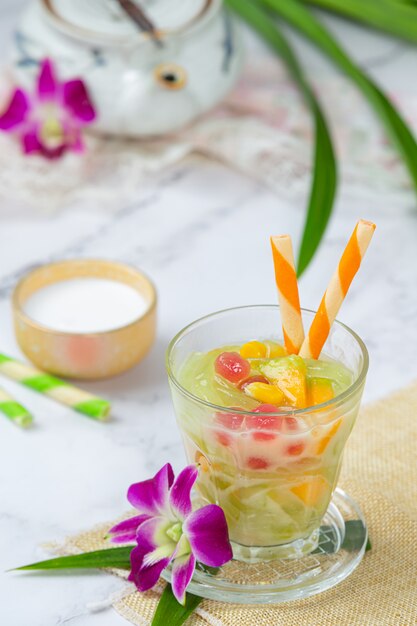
105 20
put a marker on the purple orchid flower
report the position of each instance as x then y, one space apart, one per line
49 121
167 530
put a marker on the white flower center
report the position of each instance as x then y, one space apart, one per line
175 532
52 132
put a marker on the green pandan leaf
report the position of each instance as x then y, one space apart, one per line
355 533
324 182
302 19
112 557
391 16
170 611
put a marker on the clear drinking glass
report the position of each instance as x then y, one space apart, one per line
273 502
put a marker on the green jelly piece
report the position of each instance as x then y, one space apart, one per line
43 383
4 358
96 408
340 376
319 380
275 368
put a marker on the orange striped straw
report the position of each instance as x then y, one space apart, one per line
337 289
289 300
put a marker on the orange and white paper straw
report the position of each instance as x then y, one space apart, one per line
337 289
287 286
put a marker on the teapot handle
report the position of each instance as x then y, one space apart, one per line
139 17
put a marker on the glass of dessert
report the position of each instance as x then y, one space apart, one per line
266 411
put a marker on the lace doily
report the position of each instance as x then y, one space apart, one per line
263 129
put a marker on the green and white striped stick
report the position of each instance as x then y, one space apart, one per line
53 387
15 411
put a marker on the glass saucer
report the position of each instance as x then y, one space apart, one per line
281 580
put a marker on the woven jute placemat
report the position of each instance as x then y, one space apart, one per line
380 472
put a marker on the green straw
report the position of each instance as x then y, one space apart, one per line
55 388
14 411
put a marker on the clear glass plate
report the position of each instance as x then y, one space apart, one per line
282 580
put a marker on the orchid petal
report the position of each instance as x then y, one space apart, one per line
54 153
182 573
145 578
180 494
77 101
152 554
16 111
206 530
31 143
151 496
125 531
47 84
162 552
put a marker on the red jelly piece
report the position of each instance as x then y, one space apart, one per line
253 379
223 439
295 449
232 366
257 463
290 423
263 436
264 422
232 421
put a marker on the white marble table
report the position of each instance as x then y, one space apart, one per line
200 231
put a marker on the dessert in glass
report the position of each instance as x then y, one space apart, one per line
269 455
266 410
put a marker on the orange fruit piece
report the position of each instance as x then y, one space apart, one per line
311 490
253 350
319 390
202 461
324 441
275 350
265 393
289 374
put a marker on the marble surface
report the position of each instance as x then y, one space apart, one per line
200 231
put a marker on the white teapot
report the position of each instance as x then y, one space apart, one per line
142 83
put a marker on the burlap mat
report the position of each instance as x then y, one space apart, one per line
380 472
